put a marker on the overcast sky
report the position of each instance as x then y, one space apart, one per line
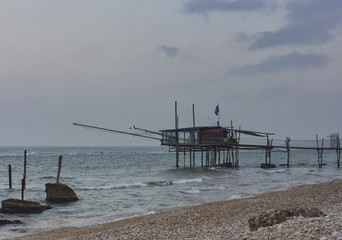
273 66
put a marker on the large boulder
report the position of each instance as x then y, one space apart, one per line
21 206
59 192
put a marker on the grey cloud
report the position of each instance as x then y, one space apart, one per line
309 22
170 51
292 61
205 6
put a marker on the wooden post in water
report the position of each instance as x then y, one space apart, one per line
177 139
228 155
266 153
338 151
287 141
237 148
193 157
184 157
23 181
193 115
320 152
193 138
10 176
232 156
59 168
224 156
270 151
201 157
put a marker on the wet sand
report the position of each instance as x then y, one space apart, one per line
227 219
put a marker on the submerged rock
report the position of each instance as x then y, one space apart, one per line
227 165
21 206
267 165
6 222
279 216
59 192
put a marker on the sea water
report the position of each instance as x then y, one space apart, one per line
114 183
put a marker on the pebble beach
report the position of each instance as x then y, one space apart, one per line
227 219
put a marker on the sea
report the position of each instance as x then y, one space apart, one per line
115 183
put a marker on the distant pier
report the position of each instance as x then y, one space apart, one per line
220 146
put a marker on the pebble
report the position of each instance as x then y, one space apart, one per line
227 219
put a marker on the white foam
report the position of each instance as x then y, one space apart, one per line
183 181
112 187
191 191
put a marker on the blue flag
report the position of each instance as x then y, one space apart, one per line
217 110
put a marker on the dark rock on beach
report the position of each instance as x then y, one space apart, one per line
59 192
279 216
21 206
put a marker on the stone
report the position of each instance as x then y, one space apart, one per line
227 165
21 206
279 216
6 222
59 192
267 165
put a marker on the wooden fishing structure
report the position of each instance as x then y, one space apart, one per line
218 145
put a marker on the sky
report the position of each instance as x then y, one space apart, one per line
272 65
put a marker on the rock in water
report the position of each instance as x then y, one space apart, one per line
59 192
267 165
21 206
6 222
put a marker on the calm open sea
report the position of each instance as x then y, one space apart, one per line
121 182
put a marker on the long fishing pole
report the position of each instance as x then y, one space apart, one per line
112 130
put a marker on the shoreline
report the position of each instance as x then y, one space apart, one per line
226 219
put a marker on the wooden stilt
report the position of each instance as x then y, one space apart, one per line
266 153
338 151
193 157
201 157
232 153
287 141
184 156
10 176
320 152
224 156
59 168
177 139
23 181
228 155
237 148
